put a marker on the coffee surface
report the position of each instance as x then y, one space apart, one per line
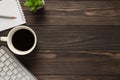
23 40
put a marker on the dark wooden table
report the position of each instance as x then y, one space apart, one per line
77 40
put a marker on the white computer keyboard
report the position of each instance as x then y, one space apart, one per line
11 68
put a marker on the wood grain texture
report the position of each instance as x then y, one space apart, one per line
77 12
77 40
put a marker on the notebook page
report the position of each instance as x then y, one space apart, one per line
11 8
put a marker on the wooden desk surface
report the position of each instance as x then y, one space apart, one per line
77 40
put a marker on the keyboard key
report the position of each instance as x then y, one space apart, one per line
15 71
10 60
27 78
19 75
2 73
11 67
5 69
2 51
3 58
1 64
13 77
6 55
9 73
19 69
23 79
15 65
6 77
7 62
23 73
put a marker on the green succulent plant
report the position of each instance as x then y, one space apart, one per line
33 5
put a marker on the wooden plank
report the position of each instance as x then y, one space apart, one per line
76 13
76 77
78 37
48 66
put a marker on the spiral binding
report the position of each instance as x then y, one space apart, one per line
20 10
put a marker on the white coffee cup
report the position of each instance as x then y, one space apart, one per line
9 41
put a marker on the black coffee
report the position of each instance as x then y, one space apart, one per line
23 40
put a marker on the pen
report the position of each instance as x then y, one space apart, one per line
7 17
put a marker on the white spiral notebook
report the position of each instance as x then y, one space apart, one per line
11 8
